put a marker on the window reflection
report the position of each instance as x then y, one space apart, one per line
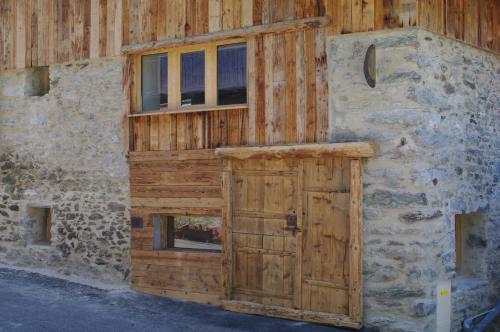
193 78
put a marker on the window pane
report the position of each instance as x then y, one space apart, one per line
187 232
232 74
193 78
154 81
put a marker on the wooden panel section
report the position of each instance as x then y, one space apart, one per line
42 32
190 131
474 22
179 183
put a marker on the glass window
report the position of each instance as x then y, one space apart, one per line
193 78
154 81
187 232
232 74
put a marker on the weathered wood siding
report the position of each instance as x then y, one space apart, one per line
42 32
185 182
475 22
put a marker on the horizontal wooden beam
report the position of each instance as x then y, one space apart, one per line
280 27
289 313
350 149
191 109
172 155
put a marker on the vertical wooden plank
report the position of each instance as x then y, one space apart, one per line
86 29
278 110
310 79
347 20
487 12
154 142
321 87
202 14
379 14
257 12
117 28
227 222
191 18
228 13
214 15
290 88
125 22
269 88
94 28
300 88
128 74
34 33
246 13
368 15
355 241
471 22
297 299
357 15
454 18
77 31
251 90
260 90
20 34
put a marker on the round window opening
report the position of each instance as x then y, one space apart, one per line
369 66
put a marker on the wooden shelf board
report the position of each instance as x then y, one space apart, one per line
318 150
190 109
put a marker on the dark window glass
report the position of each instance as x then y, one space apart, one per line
232 74
154 81
193 78
187 232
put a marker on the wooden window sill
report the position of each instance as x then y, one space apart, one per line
190 109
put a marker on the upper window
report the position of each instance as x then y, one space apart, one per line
193 78
209 74
154 81
232 74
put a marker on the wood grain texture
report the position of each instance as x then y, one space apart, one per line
177 182
43 32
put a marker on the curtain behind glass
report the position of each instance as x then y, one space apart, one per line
232 74
154 81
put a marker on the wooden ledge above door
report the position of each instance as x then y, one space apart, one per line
315 150
279 27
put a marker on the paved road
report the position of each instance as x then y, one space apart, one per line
32 302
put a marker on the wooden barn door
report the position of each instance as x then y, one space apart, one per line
293 235
263 231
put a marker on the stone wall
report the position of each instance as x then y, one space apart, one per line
65 150
435 111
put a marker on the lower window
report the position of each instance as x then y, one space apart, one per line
187 232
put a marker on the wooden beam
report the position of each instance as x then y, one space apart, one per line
288 313
356 242
191 109
350 149
280 27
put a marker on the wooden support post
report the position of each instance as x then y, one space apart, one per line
227 254
356 242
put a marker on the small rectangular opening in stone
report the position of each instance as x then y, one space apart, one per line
187 232
37 81
40 225
470 245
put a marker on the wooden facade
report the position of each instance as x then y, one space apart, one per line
203 161
43 32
